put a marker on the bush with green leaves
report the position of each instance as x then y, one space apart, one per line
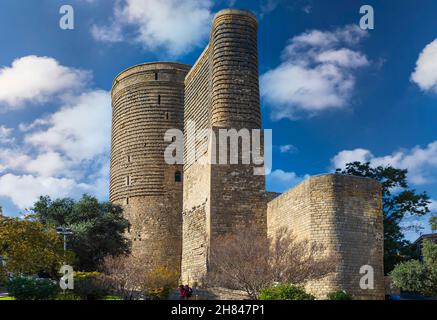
417 276
3 276
25 288
88 286
67 295
285 292
339 295
159 283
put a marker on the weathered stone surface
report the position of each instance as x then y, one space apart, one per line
344 213
221 91
148 100
177 224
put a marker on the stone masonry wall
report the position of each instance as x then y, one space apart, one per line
178 224
147 100
221 91
345 214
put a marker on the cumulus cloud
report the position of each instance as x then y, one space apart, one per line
6 135
281 181
316 73
425 74
62 154
421 162
36 79
174 26
80 130
12 159
23 190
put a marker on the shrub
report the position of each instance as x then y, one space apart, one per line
412 276
125 275
160 282
249 261
339 295
417 276
68 295
3 276
23 288
88 286
285 292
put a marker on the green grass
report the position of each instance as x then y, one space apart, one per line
6 298
111 298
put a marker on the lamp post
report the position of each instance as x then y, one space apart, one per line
64 232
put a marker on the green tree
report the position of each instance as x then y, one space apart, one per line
398 201
98 228
417 276
30 247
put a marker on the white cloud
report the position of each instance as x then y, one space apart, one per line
12 159
5 135
43 164
420 162
174 26
25 189
347 156
48 164
287 148
425 74
281 181
63 154
36 79
81 130
316 73
433 206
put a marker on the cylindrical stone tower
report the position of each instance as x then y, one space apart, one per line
222 92
235 86
148 100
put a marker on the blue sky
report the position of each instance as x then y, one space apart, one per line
331 92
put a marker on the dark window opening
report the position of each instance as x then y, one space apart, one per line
156 76
167 116
159 99
178 177
129 159
127 200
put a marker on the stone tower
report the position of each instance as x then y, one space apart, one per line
221 92
177 222
147 100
